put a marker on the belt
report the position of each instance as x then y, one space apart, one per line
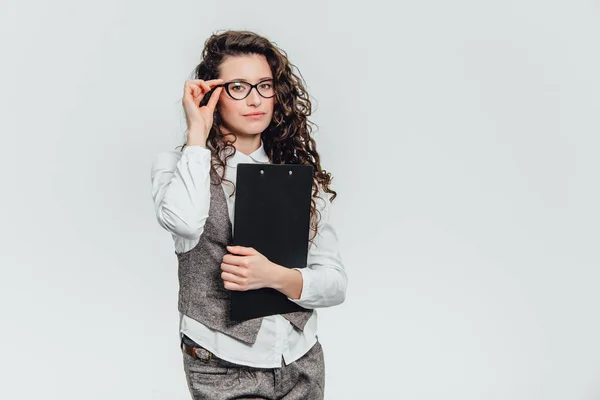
196 352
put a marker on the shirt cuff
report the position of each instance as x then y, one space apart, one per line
196 150
306 287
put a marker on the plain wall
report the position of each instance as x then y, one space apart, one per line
463 141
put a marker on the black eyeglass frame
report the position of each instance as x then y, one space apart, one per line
225 85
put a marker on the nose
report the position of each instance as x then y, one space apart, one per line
253 98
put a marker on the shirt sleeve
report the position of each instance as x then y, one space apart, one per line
324 278
181 190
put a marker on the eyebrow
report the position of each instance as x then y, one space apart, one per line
246 80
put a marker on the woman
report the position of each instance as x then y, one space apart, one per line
245 104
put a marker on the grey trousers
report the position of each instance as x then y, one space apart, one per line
223 380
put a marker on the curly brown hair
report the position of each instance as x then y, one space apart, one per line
287 139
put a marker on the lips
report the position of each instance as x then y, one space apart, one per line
256 113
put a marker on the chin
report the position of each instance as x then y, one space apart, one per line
249 132
253 130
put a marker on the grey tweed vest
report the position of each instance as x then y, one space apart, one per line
202 295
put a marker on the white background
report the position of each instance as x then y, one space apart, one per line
463 141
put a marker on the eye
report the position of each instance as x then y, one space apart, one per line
238 86
266 85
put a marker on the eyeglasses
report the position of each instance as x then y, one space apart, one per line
239 90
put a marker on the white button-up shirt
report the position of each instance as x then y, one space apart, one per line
181 195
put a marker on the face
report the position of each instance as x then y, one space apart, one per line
234 113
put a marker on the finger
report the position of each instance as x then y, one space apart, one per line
211 83
214 82
201 89
196 92
203 86
226 276
198 84
234 269
188 91
233 286
234 260
205 89
241 250
193 92
214 98
199 95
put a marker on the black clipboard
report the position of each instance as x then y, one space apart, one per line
272 215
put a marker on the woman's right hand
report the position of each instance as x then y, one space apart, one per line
200 119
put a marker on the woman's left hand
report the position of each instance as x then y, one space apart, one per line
247 269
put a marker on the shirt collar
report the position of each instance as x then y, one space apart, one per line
257 156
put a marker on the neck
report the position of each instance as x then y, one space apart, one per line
247 144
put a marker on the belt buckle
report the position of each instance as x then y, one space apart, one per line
196 351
